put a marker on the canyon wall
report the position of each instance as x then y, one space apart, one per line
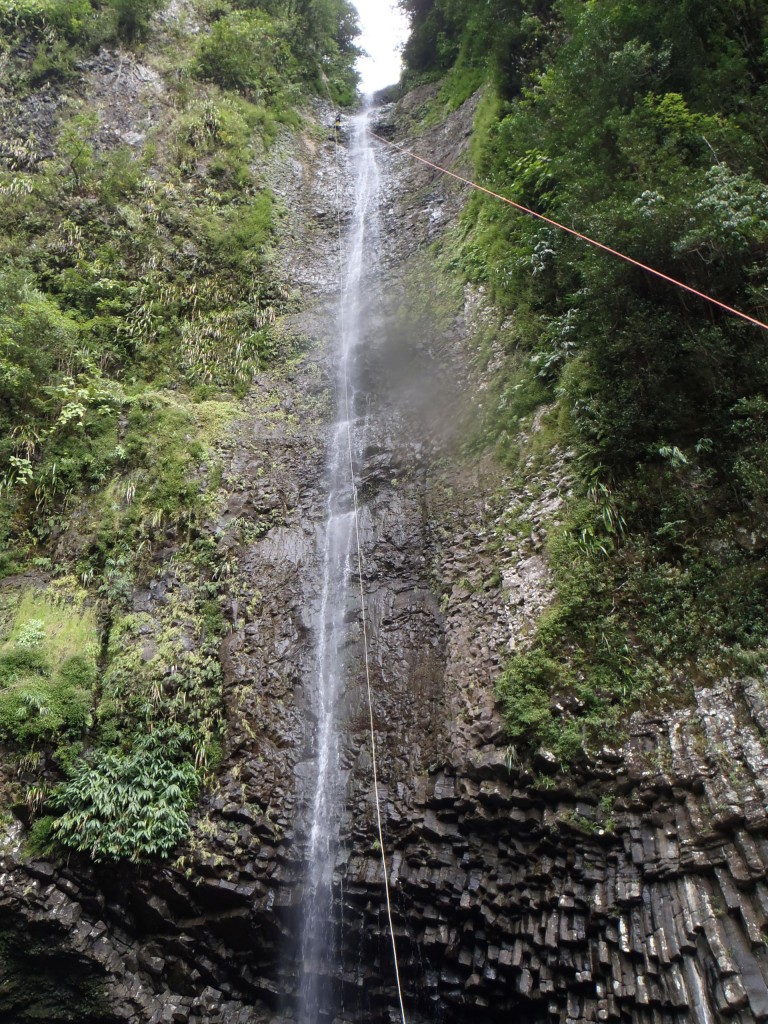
631 889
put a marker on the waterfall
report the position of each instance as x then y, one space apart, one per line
320 943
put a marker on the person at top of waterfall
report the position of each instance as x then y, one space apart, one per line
337 122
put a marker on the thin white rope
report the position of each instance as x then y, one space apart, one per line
363 611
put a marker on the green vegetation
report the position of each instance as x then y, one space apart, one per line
141 267
84 23
247 50
61 31
268 48
642 125
138 299
252 45
48 670
123 307
120 805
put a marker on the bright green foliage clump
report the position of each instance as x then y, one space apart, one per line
69 17
47 672
266 48
641 125
126 805
38 707
31 634
247 50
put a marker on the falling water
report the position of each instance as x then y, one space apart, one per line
320 941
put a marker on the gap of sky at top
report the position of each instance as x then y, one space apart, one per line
384 29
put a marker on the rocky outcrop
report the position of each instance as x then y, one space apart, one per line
544 901
636 890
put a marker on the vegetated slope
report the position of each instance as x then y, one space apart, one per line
642 125
138 298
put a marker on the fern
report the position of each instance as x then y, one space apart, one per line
130 806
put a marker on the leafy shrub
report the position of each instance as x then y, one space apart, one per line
40 710
31 634
26 315
23 661
750 469
242 230
39 706
78 671
40 840
130 805
47 671
67 16
527 689
248 51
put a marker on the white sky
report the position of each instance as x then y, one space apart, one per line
384 30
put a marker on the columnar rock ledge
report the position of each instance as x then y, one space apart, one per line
634 890
507 899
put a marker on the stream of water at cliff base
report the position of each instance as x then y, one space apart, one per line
320 942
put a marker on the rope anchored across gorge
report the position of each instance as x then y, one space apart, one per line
572 231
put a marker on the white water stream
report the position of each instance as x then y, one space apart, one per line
339 602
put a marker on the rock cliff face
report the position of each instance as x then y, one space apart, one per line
636 890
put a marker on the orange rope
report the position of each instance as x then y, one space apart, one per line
576 234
